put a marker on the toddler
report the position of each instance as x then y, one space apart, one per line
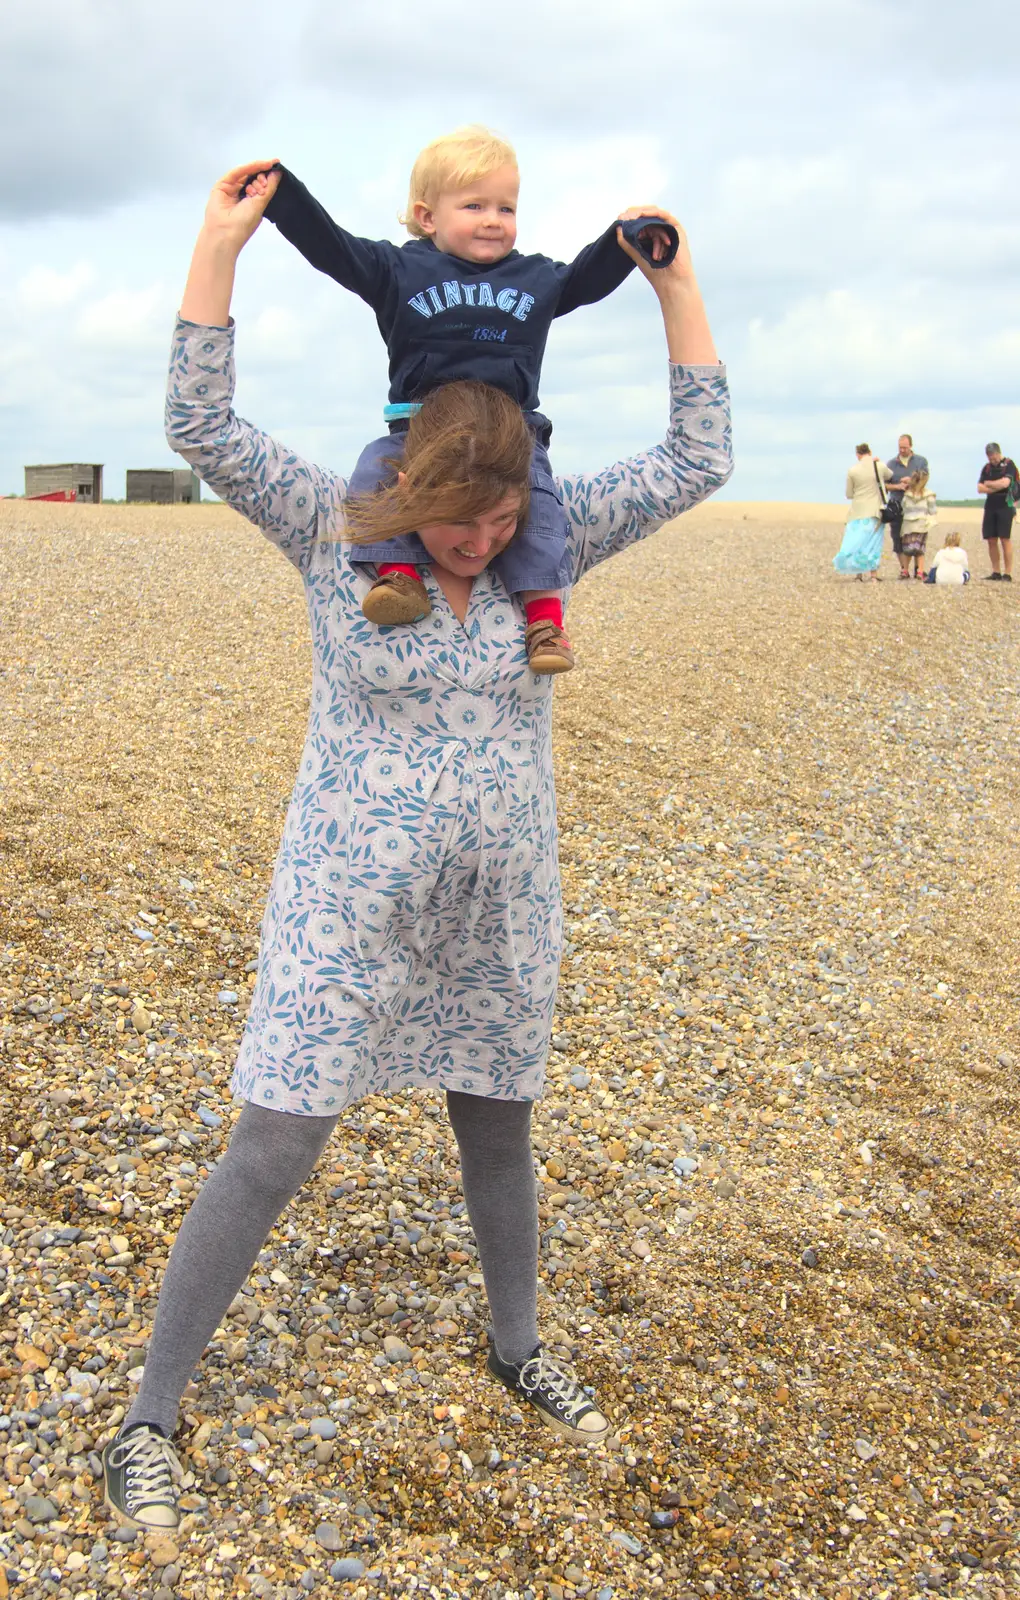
919 512
950 564
458 301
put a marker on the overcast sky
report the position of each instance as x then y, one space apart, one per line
846 170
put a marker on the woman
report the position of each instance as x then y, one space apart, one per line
861 550
920 510
413 930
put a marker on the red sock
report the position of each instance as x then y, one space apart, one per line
545 611
396 566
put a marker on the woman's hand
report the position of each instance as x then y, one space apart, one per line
680 267
233 212
237 203
688 335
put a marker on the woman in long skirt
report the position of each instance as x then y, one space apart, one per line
861 550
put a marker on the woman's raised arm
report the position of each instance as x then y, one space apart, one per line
633 498
688 335
234 210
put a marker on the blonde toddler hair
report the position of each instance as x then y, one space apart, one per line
918 483
952 541
453 162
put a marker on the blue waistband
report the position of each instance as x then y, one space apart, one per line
540 426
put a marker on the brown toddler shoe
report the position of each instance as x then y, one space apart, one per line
548 648
394 598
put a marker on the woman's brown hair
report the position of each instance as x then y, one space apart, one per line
467 449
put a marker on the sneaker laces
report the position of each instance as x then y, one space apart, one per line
152 1466
543 1372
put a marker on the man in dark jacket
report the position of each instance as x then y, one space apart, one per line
1000 484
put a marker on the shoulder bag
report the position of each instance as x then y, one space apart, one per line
889 511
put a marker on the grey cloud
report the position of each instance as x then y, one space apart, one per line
699 75
109 100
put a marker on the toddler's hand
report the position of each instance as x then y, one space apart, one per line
658 242
237 202
259 183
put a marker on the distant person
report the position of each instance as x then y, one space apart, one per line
949 565
861 550
1000 484
919 513
905 462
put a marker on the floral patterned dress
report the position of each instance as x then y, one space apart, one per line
413 929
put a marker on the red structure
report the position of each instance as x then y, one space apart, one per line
59 494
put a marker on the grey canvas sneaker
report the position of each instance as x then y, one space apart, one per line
551 1386
140 1470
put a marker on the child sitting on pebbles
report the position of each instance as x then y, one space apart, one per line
950 564
459 302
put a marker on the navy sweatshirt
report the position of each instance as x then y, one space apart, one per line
443 318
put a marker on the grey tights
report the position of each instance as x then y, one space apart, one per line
270 1155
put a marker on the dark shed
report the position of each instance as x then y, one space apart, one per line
163 486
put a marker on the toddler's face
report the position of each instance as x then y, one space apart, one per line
477 223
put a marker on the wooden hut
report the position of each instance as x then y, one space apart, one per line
163 486
67 480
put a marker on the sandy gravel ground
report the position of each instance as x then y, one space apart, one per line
780 1213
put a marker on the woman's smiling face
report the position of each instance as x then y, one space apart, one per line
466 548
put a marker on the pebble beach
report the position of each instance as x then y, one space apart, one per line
778 1152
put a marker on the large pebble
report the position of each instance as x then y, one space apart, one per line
627 1542
347 1568
38 1509
162 1552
